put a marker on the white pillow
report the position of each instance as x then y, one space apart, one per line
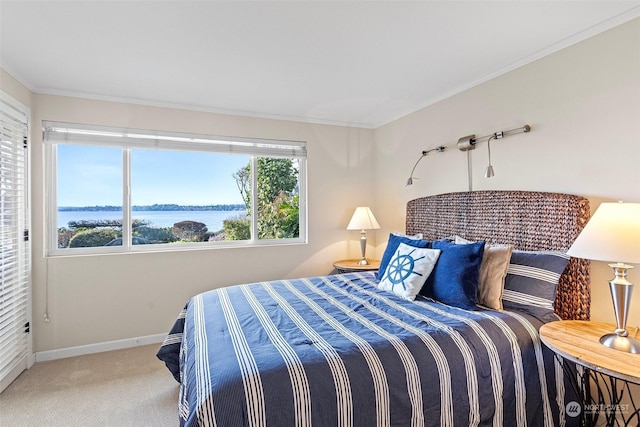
417 236
408 270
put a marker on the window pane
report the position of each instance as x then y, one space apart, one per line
186 197
89 196
278 198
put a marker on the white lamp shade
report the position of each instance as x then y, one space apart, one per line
363 219
612 235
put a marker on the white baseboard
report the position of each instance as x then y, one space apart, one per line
43 356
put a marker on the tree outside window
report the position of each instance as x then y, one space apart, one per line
278 200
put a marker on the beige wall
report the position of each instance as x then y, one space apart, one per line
14 88
95 299
583 106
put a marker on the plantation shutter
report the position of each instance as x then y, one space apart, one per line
14 245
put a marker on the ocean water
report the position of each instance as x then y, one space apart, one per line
213 219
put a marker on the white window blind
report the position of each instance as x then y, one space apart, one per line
14 245
67 133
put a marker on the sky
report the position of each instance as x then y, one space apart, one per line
92 176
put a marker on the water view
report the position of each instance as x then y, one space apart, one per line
212 219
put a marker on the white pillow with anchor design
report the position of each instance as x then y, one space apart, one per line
407 270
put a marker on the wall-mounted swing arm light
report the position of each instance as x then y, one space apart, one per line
424 154
488 173
467 143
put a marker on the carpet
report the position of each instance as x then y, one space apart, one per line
129 387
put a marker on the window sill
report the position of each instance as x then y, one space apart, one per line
167 248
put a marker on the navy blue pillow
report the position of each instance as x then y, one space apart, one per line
454 280
392 247
531 282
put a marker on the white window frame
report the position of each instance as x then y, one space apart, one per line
55 133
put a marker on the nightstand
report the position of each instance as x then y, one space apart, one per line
612 372
350 265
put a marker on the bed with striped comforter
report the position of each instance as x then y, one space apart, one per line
336 350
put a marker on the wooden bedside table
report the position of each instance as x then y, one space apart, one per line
350 265
578 341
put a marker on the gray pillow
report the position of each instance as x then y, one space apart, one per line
493 272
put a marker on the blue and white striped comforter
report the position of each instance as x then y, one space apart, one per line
336 350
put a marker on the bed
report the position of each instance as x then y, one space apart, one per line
348 350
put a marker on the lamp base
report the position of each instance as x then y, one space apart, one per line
363 248
616 342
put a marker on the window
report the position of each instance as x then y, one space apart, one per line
114 190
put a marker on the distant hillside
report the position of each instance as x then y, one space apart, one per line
156 207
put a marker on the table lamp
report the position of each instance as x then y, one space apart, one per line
362 220
613 234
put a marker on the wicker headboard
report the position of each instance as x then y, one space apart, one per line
527 220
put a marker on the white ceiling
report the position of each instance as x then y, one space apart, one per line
359 63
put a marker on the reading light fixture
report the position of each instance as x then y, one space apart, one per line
424 154
468 143
488 173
